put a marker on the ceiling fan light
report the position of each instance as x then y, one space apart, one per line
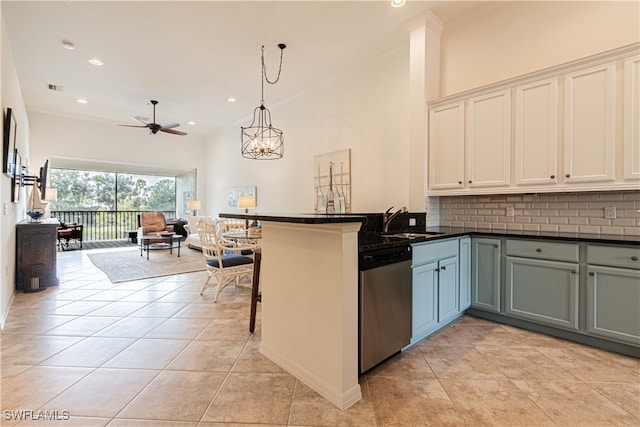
398 3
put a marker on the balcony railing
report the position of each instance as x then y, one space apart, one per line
104 225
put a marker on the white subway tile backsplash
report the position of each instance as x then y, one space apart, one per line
546 212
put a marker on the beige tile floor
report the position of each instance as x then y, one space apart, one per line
156 353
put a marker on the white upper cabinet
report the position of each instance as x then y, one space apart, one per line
632 118
572 127
446 154
589 124
489 140
535 124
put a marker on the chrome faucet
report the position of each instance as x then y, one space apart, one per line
387 217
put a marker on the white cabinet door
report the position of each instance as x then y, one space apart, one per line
489 140
632 118
589 125
536 133
446 147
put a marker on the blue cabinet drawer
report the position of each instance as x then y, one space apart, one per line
625 257
427 252
543 250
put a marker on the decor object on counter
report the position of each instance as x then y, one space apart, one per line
194 206
233 197
260 140
332 182
9 144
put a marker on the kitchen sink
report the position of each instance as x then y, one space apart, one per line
415 235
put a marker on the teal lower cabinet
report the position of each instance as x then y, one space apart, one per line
436 290
465 273
613 293
543 291
485 276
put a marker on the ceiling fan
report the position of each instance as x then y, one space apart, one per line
155 127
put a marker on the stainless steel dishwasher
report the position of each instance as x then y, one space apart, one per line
384 304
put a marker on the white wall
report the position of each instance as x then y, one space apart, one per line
59 136
11 213
515 38
366 110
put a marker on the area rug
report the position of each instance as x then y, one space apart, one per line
123 266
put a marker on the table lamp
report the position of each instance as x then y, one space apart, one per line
194 206
246 203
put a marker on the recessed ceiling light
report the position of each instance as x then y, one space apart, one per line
95 61
398 3
68 45
82 101
231 99
192 123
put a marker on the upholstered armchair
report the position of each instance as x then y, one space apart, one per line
152 223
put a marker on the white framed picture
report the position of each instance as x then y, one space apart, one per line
235 193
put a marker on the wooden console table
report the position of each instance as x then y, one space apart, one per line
36 254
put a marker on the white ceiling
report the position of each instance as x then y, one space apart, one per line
192 56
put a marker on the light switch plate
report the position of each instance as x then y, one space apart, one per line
412 222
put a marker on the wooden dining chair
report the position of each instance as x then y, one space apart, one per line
224 259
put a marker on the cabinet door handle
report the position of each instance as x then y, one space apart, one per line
459 182
568 175
437 270
470 181
573 271
634 258
553 176
538 250
591 273
443 268
495 246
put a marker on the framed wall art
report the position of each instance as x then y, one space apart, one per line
332 182
235 193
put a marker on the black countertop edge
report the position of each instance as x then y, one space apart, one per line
298 218
372 241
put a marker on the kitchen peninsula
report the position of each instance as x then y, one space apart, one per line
309 275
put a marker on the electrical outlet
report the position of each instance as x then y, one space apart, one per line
610 212
511 211
412 222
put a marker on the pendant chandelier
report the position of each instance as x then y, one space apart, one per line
260 140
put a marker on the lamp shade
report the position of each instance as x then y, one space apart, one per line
194 205
246 202
51 195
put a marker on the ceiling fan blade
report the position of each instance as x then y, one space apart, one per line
173 131
170 125
139 119
134 126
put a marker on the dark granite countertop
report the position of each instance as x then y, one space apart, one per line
298 218
372 240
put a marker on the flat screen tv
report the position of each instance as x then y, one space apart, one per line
43 179
8 144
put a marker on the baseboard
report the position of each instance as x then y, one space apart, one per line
5 315
337 397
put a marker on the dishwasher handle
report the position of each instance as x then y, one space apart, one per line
379 258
